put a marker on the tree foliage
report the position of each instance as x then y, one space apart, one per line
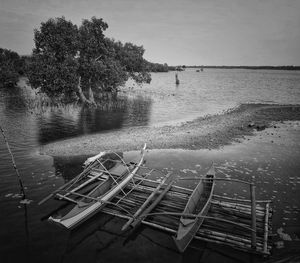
70 61
52 68
10 66
157 67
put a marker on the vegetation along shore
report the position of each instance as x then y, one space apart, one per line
208 132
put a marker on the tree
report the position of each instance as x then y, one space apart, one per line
53 68
9 68
70 61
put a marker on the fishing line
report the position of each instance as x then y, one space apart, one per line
22 190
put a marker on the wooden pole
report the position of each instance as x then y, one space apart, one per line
14 164
215 179
265 249
234 199
75 179
151 207
176 79
148 200
144 215
253 216
238 239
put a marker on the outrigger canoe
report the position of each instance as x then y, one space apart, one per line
94 188
198 204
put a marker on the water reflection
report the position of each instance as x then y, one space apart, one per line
68 168
122 112
13 99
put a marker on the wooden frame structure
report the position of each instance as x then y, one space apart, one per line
244 224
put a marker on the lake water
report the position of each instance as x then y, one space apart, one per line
24 236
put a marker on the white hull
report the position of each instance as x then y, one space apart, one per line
94 207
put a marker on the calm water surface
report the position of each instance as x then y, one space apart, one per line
275 165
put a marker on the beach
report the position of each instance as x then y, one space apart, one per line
209 132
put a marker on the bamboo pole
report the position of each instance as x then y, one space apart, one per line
174 187
266 228
205 217
239 207
234 216
216 179
253 216
241 246
148 200
75 179
240 200
150 208
14 164
203 234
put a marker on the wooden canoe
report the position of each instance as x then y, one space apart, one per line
112 181
198 204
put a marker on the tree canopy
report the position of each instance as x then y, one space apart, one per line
10 67
71 62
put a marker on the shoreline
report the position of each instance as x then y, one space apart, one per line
209 132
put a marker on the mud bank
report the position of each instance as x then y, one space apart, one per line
208 132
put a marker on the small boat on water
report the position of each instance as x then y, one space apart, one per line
198 205
91 190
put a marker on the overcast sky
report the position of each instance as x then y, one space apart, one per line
190 32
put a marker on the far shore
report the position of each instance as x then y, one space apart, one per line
210 132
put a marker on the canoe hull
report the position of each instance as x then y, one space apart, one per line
83 210
198 204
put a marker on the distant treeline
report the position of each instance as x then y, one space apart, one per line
157 67
249 67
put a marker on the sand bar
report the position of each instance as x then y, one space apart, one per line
208 132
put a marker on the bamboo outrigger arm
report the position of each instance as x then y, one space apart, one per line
216 179
148 200
196 216
66 184
241 200
94 199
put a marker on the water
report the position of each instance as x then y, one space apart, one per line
23 235
215 90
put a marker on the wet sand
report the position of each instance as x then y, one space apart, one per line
210 132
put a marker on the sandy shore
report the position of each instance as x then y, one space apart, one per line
209 132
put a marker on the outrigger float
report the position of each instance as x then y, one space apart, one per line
142 195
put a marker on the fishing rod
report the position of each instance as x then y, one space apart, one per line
14 165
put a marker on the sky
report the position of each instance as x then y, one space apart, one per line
177 32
